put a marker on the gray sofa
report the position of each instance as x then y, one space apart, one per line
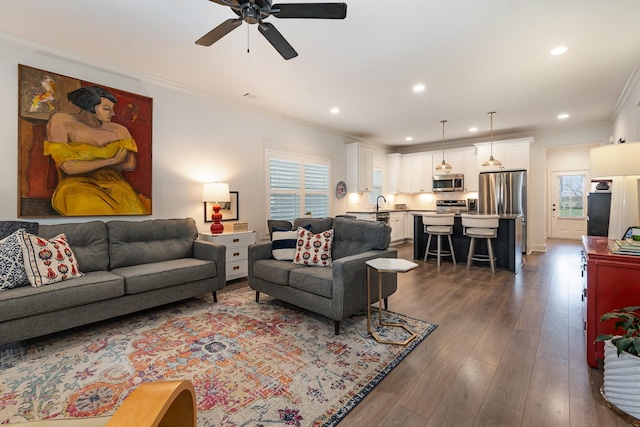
128 265
336 292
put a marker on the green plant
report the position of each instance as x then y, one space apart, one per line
629 321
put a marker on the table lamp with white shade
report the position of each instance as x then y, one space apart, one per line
216 192
621 164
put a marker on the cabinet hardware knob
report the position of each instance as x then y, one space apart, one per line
236 268
236 254
236 240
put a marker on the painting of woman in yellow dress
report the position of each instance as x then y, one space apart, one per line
85 150
91 153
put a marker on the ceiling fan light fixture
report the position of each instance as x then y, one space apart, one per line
444 166
254 11
491 161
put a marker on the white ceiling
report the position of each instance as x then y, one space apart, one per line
473 56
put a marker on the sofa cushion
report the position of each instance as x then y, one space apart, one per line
317 281
313 249
318 225
28 301
9 227
48 261
145 242
275 271
12 272
355 236
156 275
88 240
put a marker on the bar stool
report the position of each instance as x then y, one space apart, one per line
439 225
481 227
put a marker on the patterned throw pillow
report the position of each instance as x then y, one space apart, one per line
283 243
12 272
313 249
48 261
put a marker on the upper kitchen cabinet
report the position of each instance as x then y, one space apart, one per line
393 183
421 178
463 161
405 174
359 167
471 170
454 158
513 154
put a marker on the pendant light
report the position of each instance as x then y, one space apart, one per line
444 166
491 161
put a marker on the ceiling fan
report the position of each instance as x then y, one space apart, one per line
254 11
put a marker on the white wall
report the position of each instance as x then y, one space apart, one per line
627 121
196 138
537 217
625 197
199 137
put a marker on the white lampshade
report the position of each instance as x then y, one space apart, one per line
615 161
215 192
621 164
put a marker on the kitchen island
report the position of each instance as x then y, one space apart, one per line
507 246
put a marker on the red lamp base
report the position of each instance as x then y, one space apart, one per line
216 216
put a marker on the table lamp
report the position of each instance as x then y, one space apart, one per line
215 192
619 162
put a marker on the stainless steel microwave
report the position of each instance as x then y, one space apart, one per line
452 182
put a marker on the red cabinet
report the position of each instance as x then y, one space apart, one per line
613 281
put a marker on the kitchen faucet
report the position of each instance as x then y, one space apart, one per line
377 200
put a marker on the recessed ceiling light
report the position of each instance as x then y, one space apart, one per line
419 87
473 129
559 50
409 138
335 110
563 116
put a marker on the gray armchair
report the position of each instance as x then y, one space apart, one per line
336 292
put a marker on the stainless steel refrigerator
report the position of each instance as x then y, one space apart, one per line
504 193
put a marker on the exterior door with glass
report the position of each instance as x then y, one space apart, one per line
568 205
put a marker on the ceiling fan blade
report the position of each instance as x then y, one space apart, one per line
275 38
230 3
219 32
310 10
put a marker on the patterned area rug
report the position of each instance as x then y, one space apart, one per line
252 364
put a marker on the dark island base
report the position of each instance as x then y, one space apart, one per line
507 246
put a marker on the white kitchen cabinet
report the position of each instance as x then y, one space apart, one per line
513 154
454 158
408 226
421 177
396 222
405 175
359 167
393 183
471 170
365 216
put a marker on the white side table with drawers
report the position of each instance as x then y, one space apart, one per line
237 251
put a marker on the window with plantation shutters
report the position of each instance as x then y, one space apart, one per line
297 185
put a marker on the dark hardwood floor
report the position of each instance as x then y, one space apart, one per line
509 349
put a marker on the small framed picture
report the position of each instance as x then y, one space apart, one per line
229 210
